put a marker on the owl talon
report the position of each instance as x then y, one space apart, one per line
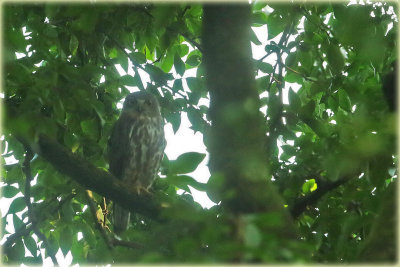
140 189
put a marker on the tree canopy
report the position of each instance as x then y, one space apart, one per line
302 140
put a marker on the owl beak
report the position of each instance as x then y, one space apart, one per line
140 104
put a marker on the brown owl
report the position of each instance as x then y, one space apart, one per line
136 147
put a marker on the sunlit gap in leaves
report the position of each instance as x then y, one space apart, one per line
259 52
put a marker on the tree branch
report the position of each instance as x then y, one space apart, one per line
99 226
100 181
26 167
239 156
105 184
301 204
25 229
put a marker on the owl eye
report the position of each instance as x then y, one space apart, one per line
148 103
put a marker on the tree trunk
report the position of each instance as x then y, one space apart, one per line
238 161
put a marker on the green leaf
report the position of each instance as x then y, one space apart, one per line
258 5
252 235
90 128
333 103
275 25
265 67
17 205
193 60
182 182
31 245
157 74
292 77
259 18
138 80
128 80
73 44
306 59
89 235
124 62
309 186
17 252
52 243
344 100
113 53
80 250
15 174
291 60
290 150
179 65
67 212
87 21
195 84
17 222
66 239
9 191
139 57
167 62
183 50
186 163
335 58
177 85
253 38
175 120
294 100
50 32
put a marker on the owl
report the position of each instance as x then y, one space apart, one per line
136 147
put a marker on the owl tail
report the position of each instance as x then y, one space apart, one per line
121 219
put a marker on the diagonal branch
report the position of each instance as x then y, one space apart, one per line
301 204
105 184
95 179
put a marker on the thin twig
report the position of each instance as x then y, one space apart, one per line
25 229
192 41
111 242
274 121
93 211
305 77
105 212
26 167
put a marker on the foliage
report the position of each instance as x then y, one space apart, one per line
336 152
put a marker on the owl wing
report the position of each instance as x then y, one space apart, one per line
118 147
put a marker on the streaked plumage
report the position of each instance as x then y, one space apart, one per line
136 147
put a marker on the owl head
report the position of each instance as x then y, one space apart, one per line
142 103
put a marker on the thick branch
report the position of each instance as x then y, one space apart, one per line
96 179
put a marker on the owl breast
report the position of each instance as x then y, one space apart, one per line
146 146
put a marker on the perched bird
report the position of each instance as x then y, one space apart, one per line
136 147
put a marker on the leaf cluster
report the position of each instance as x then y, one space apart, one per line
331 146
